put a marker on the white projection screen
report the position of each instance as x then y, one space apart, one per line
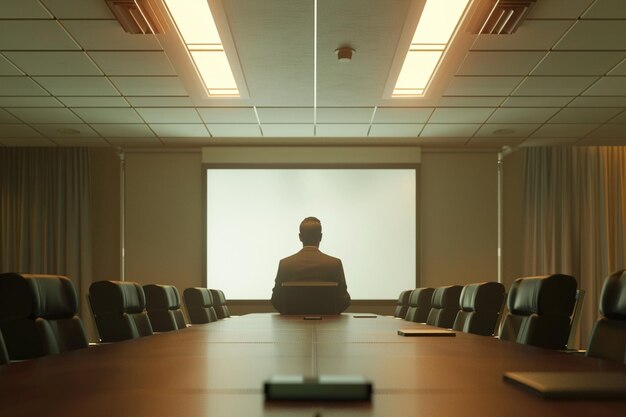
368 221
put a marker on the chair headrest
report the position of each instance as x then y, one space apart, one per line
218 298
546 294
421 297
198 297
116 296
404 297
482 296
33 295
613 298
161 297
447 297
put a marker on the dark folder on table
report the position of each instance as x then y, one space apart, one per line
571 385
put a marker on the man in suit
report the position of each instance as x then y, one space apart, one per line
311 265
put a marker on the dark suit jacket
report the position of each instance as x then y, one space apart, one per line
311 265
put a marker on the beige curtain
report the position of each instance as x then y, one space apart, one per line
45 214
575 213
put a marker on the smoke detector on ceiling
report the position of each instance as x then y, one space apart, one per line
344 54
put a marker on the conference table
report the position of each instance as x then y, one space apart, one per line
218 369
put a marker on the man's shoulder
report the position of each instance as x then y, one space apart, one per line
310 253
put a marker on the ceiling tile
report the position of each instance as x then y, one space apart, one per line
94 101
149 86
482 86
619 69
18 131
344 114
228 115
79 9
23 9
45 115
6 117
558 9
34 34
285 115
470 101
135 142
29 102
91 142
54 63
239 130
610 131
395 130
584 115
553 86
606 9
20 86
342 130
77 86
402 115
108 35
549 142
108 115
620 118
499 63
160 101
178 130
591 34
72 130
598 102
449 130
564 130
287 130
460 115
133 63
578 63
532 35
169 115
21 142
608 86
509 130
536 101
522 115
7 68
123 130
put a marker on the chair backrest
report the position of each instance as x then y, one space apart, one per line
403 304
219 302
539 311
38 315
445 306
119 308
480 306
310 297
420 300
608 338
4 355
199 305
163 306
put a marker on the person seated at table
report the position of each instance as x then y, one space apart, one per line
310 265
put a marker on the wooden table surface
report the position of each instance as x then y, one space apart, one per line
218 369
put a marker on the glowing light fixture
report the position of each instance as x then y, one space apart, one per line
433 34
196 26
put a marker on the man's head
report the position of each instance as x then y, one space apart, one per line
311 232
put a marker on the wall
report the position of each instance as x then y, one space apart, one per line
164 221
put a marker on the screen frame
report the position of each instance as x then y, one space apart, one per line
337 166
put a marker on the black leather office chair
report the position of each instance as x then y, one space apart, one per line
219 302
310 297
403 304
539 311
163 306
38 315
445 306
4 355
420 303
119 310
480 306
608 338
199 305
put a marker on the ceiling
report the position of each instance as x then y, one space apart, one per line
71 76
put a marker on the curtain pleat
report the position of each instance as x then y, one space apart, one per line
45 213
575 209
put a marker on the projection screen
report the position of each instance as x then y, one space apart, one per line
368 221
